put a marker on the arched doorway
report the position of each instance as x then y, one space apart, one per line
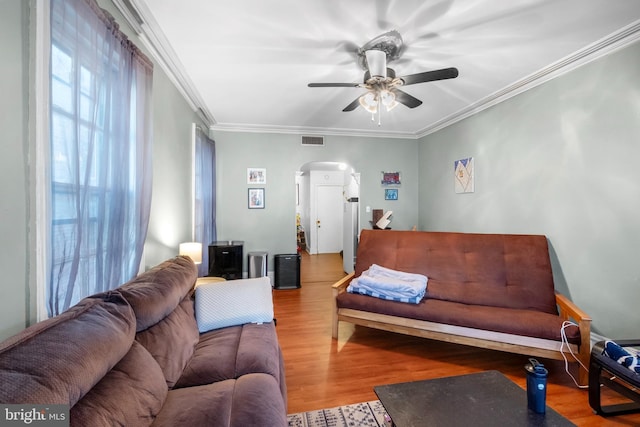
327 209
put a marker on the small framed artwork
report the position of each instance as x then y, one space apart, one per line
256 176
463 175
390 178
256 198
391 194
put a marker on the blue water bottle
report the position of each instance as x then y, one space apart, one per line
536 386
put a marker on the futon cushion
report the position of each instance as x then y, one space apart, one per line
58 360
236 302
131 394
507 320
497 270
157 292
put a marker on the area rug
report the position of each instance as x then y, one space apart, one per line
365 414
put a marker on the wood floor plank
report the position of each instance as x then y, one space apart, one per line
322 372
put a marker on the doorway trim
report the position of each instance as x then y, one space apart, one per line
305 198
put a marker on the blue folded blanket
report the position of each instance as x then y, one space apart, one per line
622 356
390 284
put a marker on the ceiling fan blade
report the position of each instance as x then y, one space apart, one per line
406 99
429 76
334 85
355 104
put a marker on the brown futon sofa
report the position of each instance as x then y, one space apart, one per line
134 356
493 291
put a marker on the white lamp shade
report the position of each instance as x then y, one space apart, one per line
193 250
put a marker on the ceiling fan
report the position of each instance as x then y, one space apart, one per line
381 82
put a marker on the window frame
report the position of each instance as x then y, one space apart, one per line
39 62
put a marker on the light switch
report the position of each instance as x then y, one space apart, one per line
367 209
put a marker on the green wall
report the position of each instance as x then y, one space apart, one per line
273 229
559 160
14 182
170 221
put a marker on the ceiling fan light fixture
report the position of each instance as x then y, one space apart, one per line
388 99
369 101
381 83
377 63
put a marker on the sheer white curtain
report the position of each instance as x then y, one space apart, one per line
205 196
100 153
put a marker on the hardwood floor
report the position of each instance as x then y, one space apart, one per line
322 372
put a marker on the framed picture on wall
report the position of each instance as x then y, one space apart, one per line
391 194
256 198
256 176
463 175
390 178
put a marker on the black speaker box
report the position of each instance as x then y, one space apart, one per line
225 260
287 271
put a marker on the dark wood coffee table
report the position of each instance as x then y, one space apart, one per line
483 399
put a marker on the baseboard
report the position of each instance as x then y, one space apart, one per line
597 337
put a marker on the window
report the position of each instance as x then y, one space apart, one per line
100 166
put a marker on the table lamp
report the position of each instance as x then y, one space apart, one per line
193 250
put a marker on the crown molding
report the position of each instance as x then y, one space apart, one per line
300 130
142 22
605 46
130 13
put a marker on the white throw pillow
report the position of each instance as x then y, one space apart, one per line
233 302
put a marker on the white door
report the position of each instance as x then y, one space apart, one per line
329 218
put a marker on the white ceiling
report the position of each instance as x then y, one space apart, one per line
246 63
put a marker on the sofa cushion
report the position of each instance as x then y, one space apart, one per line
228 353
251 400
510 271
157 292
205 405
58 360
131 394
222 304
172 341
507 320
266 408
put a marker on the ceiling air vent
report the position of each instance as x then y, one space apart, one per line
316 141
